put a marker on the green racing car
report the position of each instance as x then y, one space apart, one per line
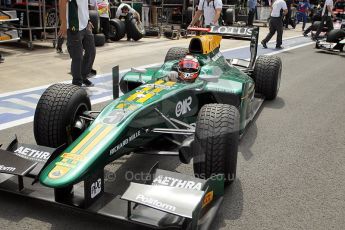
196 106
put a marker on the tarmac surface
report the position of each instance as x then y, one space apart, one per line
291 160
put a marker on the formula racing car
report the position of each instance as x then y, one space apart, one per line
196 106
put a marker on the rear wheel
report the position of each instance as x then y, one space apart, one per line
117 29
335 35
267 75
175 53
216 141
57 114
94 19
137 30
99 39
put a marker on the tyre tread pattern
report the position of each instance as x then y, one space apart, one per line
216 141
175 53
267 70
50 114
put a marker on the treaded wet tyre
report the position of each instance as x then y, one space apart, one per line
229 17
315 25
216 141
267 75
117 29
56 113
137 30
99 39
335 35
175 53
94 18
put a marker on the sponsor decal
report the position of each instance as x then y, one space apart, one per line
96 188
178 183
29 153
7 169
124 142
155 203
183 107
239 31
207 199
216 57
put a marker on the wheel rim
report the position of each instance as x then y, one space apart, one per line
73 132
112 31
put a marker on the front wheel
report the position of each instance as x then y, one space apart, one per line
216 141
57 114
267 75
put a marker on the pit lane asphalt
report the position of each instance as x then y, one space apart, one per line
290 166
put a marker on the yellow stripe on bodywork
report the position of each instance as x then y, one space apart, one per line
157 90
170 83
146 88
159 82
96 140
121 106
86 139
67 165
75 157
134 96
147 96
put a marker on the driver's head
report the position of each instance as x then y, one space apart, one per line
188 68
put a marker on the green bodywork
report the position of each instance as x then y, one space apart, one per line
125 124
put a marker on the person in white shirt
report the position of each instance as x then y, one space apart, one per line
74 18
326 17
103 8
127 12
211 9
278 8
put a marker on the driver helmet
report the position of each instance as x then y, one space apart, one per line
188 68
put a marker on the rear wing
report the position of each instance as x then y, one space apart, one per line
177 194
235 32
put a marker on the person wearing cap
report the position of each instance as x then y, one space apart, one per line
278 9
76 25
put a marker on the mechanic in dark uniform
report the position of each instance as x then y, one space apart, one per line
252 9
326 17
276 23
74 16
288 20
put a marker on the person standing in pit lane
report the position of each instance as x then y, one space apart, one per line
279 9
302 11
326 15
288 20
252 8
103 8
211 9
75 24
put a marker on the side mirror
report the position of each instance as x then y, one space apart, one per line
136 70
209 78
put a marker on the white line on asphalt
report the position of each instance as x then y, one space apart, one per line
11 111
34 96
21 102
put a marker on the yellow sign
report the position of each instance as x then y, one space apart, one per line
207 199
